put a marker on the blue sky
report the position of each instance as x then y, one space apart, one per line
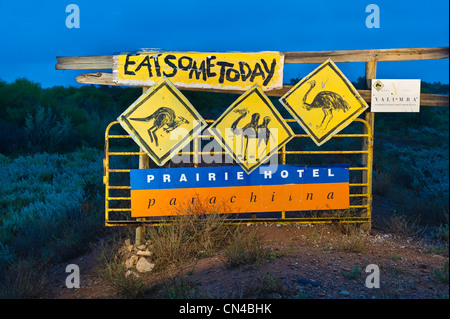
33 33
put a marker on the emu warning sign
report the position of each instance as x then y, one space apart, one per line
324 102
162 121
227 71
161 192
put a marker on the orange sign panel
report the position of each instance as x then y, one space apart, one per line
160 192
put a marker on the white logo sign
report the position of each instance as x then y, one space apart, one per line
395 95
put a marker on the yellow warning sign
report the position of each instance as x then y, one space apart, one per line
251 130
324 102
162 121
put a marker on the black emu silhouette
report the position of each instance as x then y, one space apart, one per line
327 101
162 116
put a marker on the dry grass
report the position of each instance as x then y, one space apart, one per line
402 226
245 248
112 271
353 240
196 231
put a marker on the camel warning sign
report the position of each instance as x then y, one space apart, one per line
162 121
251 130
324 102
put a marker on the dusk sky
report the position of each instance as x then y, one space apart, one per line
33 33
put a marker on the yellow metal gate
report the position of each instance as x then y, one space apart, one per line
119 153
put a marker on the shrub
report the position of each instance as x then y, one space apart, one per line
196 230
442 276
43 216
245 248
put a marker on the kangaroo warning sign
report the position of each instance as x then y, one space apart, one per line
324 102
162 121
227 71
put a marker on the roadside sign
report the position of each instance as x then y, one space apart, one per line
324 102
251 130
162 121
216 70
395 95
161 192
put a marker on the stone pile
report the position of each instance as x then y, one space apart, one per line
136 258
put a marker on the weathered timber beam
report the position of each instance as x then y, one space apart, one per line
367 55
106 62
101 78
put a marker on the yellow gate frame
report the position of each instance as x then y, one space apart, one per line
365 194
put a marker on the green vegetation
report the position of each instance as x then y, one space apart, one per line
441 275
50 208
353 273
196 232
245 249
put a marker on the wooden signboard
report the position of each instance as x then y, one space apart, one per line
161 192
225 71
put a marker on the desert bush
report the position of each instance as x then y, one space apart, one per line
44 132
441 275
25 278
245 248
196 230
402 226
126 285
177 288
353 241
51 208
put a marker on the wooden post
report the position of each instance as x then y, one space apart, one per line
143 163
371 70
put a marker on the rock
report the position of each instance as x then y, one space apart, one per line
141 247
306 282
130 247
127 242
144 253
143 265
130 262
344 293
130 272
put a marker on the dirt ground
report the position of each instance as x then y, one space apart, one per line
307 262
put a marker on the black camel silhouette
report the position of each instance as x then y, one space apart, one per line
252 130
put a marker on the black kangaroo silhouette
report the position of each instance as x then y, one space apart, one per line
162 116
327 101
